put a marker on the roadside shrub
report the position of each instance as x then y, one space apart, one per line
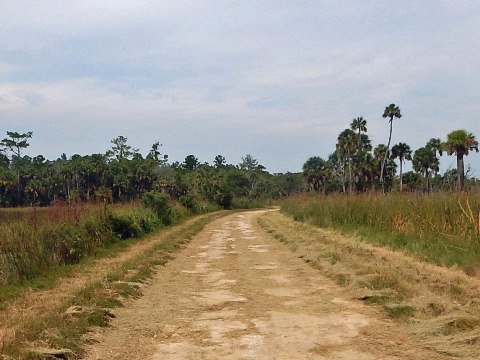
225 199
124 225
69 244
160 204
178 213
148 221
189 202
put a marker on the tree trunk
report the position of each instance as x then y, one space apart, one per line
18 185
427 175
68 190
401 175
350 176
460 173
382 169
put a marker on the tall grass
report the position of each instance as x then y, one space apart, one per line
441 228
35 241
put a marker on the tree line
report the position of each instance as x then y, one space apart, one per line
122 173
355 166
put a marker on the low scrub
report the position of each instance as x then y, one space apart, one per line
128 223
160 204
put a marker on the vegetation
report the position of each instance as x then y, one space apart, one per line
459 143
66 319
123 174
443 229
392 111
356 167
35 241
438 307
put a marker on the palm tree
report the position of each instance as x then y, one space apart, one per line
359 124
403 152
436 145
424 161
460 142
347 146
315 171
391 112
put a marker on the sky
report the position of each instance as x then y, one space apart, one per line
276 79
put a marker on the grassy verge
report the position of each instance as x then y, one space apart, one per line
34 243
67 323
441 307
442 228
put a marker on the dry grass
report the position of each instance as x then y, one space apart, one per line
37 320
443 228
440 306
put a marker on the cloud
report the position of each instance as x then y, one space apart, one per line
277 79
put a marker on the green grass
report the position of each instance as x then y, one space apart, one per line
442 228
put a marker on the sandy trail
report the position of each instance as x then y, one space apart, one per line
237 293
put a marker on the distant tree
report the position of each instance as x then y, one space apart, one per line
253 170
425 162
412 180
436 145
249 163
359 124
403 152
366 170
219 161
380 153
4 161
315 171
336 163
190 163
16 142
391 111
460 143
120 150
347 145
156 155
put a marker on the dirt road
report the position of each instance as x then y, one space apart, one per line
237 293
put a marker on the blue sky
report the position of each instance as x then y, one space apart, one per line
276 79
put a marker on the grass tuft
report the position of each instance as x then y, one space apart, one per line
401 312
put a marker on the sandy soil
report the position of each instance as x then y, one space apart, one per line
237 293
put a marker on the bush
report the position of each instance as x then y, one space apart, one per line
225 199
189 202
179 213
160 204
124 225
